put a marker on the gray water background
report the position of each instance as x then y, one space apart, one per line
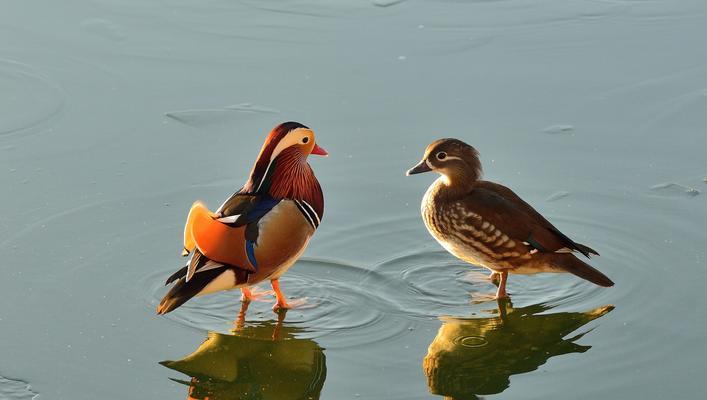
116 115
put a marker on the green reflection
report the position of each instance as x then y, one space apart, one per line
470 357
263 361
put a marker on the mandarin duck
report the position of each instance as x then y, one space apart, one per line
487 224
260 231
477 356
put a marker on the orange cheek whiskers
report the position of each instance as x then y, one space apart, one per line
293 178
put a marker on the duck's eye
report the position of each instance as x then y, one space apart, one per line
441 155
305 140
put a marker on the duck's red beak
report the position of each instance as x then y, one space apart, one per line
319 151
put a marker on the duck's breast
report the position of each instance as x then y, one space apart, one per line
283 235
448 224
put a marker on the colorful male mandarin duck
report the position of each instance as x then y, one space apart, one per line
261 230
487 224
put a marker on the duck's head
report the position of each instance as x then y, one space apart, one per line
281 169
452 158
292 138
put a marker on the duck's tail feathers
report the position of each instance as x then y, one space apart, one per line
574 265
179 274
586 250
183 290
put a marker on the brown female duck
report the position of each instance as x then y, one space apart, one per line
487 224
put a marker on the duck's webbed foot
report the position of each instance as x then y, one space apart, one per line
282 303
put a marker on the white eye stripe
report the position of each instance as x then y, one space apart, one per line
290 139
449 158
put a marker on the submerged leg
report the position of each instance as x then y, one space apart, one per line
278 327
503 306
240 321
501 292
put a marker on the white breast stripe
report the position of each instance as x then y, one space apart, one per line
314 213
305 213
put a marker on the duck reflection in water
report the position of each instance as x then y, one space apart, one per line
471 357
259 361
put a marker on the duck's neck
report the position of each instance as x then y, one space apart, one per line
293 178
456 184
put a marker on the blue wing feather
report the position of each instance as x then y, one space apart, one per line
262 207
250 251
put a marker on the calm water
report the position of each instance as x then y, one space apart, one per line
116 115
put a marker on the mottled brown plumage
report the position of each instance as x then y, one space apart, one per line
487 224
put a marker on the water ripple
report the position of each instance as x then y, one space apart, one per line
13 389
28 98
340 309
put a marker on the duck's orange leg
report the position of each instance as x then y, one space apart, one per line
248 294
501 292
281 301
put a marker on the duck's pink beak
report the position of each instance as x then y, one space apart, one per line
319 151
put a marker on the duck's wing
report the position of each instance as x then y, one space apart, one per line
249 232
501 208
228 236
250 238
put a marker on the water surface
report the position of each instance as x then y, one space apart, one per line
117 115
